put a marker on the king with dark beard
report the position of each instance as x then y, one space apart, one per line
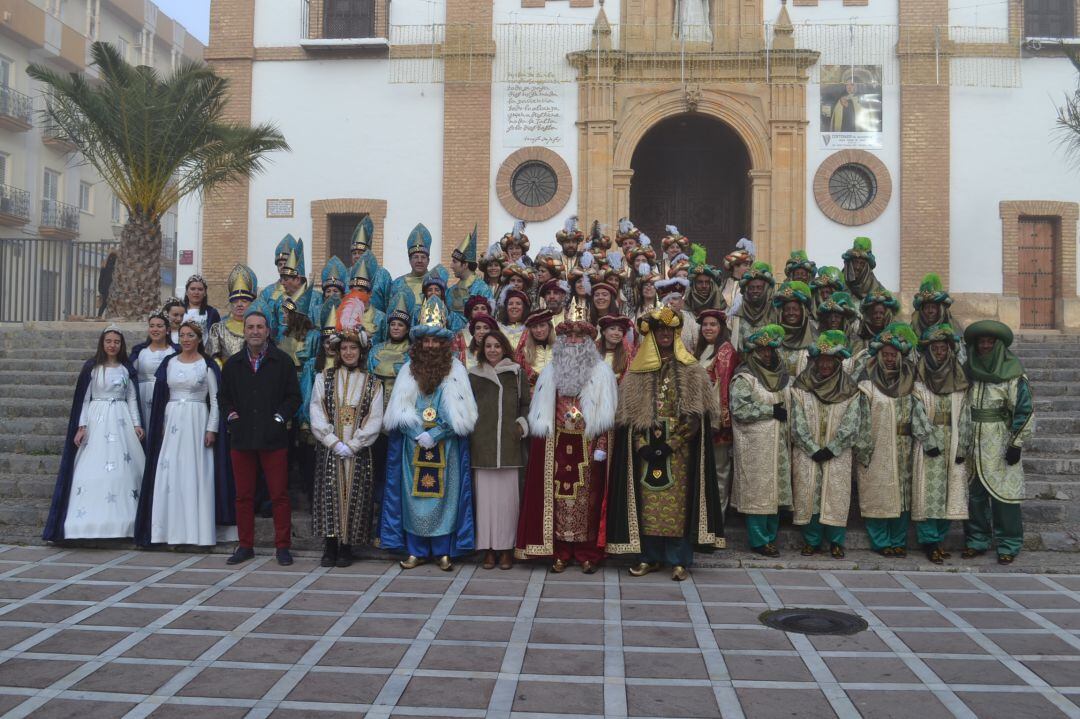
570 416
427 506
666 500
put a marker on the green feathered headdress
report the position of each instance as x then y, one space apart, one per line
792 291
840 303
931 290
862 247
830 342
880 297
829 276
943 332
767 336
799 260
898 334
758 271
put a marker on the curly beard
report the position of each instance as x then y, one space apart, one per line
573 365
430 366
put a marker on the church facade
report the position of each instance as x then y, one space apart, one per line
926 125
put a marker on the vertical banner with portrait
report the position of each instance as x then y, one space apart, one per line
850 106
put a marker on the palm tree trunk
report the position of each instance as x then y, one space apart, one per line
136 287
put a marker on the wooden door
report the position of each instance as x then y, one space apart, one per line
1035 272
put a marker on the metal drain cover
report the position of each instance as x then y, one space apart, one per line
813 621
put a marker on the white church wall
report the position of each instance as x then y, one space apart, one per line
965 13
352 135
1004 146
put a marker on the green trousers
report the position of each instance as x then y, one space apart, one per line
932 531
890 532
761 529
815 531
986 515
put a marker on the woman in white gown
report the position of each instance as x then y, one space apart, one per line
180 485
97 488
146 357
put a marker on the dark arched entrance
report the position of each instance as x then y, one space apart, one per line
691 171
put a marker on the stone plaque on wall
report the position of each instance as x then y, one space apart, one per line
279 207
532 116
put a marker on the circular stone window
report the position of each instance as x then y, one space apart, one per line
533 184
852 187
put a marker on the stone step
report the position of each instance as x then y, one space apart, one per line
1052 465
26 517
1067 491
1056 404
41 377
27 407
59 392
1041 445
1054 375
44 465
32 444
1055 389
33 366
1057 424
26 486
44 426
47 353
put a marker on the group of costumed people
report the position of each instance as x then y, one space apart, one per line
605 397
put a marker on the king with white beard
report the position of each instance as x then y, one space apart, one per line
570 419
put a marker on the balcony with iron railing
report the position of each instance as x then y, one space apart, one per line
52 136
59 220
344 26
14 206
16 110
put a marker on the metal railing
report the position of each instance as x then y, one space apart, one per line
47 280
59 215
14 202
15 104
51 131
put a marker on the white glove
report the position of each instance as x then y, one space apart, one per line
342 450
425 440
599 455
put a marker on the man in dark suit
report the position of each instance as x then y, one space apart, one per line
259 393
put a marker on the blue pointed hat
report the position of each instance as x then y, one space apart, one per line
419 240
287 245
437 275
403 304
364 234
360 275
466 251
294 264
334 274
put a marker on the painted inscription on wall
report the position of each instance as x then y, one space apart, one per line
533 115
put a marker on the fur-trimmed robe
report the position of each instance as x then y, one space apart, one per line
637 413
456 418
597 401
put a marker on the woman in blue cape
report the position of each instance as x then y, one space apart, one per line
187 489
146 357
97 487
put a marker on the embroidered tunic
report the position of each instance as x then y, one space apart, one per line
939 485
761 486
823 488
1001 415
225 339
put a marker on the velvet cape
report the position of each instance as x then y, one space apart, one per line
54 525
224 487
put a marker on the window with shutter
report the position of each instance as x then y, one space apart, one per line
1049 18
348 18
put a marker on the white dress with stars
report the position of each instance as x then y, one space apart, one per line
183 510
109 465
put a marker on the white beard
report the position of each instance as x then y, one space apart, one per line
573 365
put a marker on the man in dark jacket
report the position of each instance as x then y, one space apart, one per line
259 392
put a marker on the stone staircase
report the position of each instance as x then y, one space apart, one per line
39 366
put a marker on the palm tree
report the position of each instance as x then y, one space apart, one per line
153 140
1068 114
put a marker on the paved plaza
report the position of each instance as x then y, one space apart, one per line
100 633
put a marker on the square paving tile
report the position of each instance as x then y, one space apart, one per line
761 639
898 704
334 582
725 577
572 662
10 636
75 641
559 698
206 619
658 636
155 559
731 595
1011 704
337 687
421 606
319 602
784 703
8 702
30 554
734 615
767 668
870 669
1013 582
938 580
76 709
267 580
651 592
124 617
794 578
194 711
172 646
1045 601
880 598
636 612
266 650
997 620
1040 643
808 597
385 628
242 598
447 692
651 700
1065 620
867 580
364 654
35 673
162 595
203 579
10 589
116 574
974 671
231 683
296 624
63 571
966 600
862 642
665 665
475 630
499 585
414 585
940 643
486 607
899 618
472 659
38 612
562 590
1057 674
87 592
128 678
569 609
561 633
